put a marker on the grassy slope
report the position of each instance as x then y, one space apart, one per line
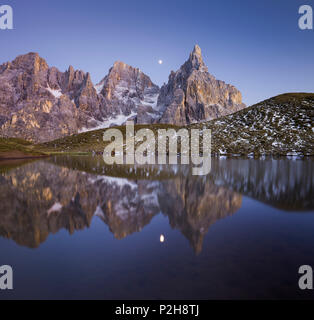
88 142
13 148
279 126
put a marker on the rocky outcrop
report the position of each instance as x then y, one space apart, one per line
193 95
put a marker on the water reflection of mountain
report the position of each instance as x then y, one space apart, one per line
194 204
31 197
43 197
282 183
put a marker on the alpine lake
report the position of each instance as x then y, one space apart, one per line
72 227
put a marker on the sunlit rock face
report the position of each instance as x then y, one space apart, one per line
192 94
39 103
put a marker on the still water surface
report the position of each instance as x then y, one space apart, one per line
73 228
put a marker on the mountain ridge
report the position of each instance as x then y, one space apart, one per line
40 103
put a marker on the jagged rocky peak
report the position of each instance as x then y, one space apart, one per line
129 94
73 79
30 61
123 76
196 60
192 94
87 84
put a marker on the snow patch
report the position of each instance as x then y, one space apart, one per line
98 87
117 120
56 93
55 208
151 100
99 213
120 182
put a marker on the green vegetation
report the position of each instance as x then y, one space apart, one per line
295 97
13 148
88 142
281 125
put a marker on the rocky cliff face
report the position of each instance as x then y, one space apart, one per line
193 95
39 103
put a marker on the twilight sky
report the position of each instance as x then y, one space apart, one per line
254 45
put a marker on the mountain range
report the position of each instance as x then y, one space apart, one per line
40 103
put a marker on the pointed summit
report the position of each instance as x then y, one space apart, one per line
88 80
193 94
30 61
196 59
197 50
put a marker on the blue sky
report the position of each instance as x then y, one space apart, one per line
254 45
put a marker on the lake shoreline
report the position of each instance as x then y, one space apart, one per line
11 156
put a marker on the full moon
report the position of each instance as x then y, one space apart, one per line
160 61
